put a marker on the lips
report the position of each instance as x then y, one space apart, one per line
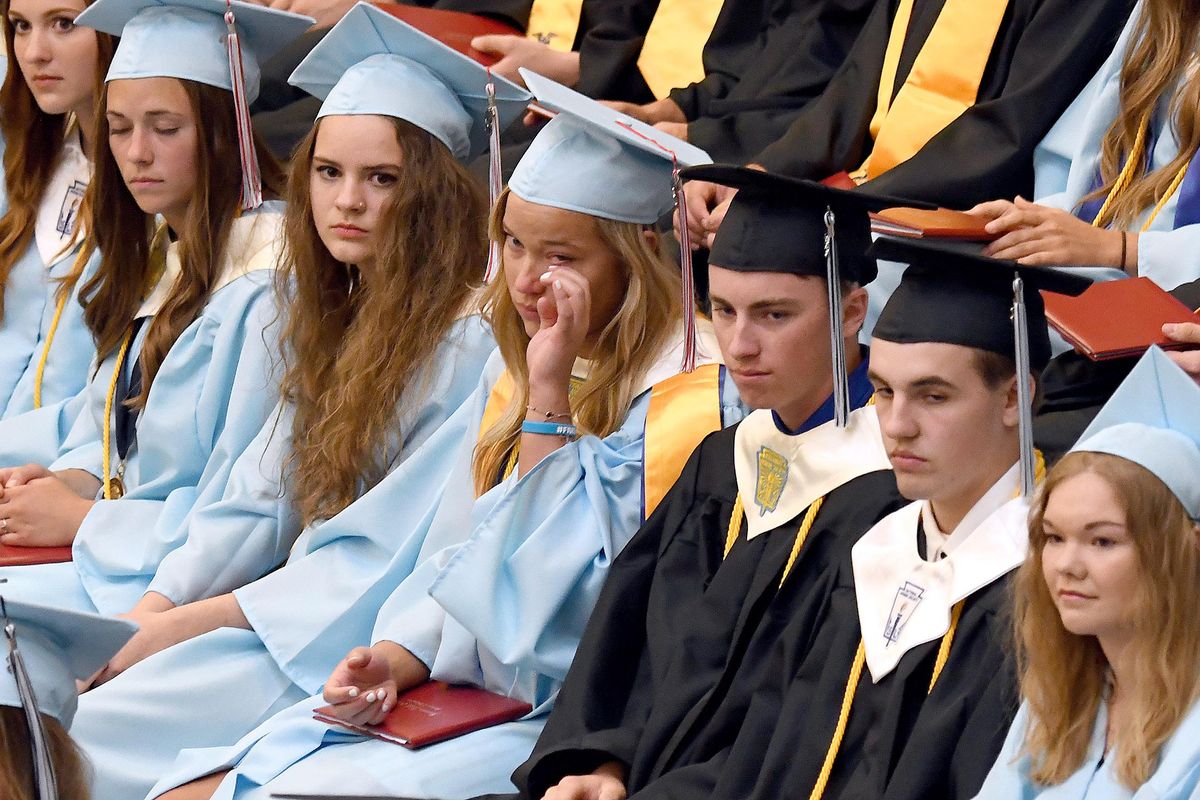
528 312
902 459
142 183
348 231
1072 596
46 78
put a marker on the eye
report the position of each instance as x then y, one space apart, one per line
167 131
384 179
513 242
559 258
722 310
326 171
884 392
19 25
933 398
1051 538
1104 542
119 130
778 316
64 24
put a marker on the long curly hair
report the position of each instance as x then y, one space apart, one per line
1063 675
352 353
123 234
1159 59
33 141
627 347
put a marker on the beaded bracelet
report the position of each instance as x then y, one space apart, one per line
548 429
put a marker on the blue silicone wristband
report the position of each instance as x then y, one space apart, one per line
548 428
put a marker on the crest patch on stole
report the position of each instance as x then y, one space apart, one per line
69 208
772 475
908 597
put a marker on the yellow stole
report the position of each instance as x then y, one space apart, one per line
670 55
943 83
683 410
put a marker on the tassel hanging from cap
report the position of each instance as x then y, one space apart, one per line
43 767
495 172
688 278
251 177
1024 400
837 344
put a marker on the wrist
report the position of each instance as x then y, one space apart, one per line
405 669
549 395
152 603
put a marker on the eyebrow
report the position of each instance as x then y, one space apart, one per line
770 302
1091 526
926 382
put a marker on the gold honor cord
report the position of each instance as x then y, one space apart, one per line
65 292
1126 177
735 526
113 486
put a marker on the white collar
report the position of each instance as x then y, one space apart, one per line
254 244
1000 493
781 474
59 207
905 601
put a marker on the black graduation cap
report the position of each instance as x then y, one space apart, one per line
956 297
778 224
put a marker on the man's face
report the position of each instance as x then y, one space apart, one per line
946 431
773 329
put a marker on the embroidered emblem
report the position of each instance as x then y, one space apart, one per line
772 475
70 208
908 597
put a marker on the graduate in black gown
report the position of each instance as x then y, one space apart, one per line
688 616
904 690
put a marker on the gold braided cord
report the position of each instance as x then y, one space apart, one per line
943 654
810 517
513 459
76 271
735 525
1126 177
839 732
109 422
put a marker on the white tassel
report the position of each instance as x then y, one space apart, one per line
251 178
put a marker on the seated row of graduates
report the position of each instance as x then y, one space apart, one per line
466 524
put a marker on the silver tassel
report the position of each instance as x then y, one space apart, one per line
1024 401
837 343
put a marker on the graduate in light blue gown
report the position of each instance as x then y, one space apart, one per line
49 125
1106 608
180 313
571 439
1137 210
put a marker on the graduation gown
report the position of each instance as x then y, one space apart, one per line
1177 776
497 597
1074 388
1043 55
30 305
765 60
1067 169
902 740
211 396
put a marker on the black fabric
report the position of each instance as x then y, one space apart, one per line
777 224
680 637
1045 52
129 386
950 296
900 743
609 42
764 61
1074 388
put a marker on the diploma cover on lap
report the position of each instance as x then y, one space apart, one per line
434 712
454 29
1116 319
920 223
11 556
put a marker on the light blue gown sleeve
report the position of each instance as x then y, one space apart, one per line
37 437
325 599
250 529
209 400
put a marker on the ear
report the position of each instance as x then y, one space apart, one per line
1012 416
854 312
652 238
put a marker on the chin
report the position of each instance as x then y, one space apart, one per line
347 253
916 487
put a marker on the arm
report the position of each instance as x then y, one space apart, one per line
611 34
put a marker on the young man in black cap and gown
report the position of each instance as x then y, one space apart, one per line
690 610
904 690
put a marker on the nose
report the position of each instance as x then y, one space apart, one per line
527 272
37 46
744 343
1069 561
896 419
350 198
140 150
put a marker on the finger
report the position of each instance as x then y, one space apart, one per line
1003 247
1188 362
359 658
507 68
991 209
340 695
1184 332
713 222
547 311
15 539
1013 219
610 792
1022 250
496 43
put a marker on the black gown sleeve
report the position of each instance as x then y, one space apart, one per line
609 42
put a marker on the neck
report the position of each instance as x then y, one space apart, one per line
950 511
796 412
1117 652
87 125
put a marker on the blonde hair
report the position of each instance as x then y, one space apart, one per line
626 349
1063 675
16 758
1161 50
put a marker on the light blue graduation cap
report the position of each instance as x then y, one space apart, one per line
374 63
214 42
1153 419
598 161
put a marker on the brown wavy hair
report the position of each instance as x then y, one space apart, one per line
627 347
1161 48
352 352
16 758
33 141
1063 675
123 234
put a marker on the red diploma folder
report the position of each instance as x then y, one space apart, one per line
434 712
11 556
920 223
1116 319
455 29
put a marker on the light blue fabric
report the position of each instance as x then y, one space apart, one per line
1177 776
1067 162
498 598
305 615
211 396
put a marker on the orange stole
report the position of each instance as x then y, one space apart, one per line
683 410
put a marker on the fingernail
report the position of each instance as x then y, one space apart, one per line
558 284
370 697
353 693
546 275
387 707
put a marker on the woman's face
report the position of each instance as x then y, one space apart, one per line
154 138
58 60
538 238
354 178
1089 559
